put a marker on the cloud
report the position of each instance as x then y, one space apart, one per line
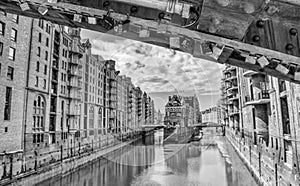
158 69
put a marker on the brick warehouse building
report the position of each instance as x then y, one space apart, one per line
59 100
182 111
262 115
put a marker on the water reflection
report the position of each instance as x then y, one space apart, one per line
198 163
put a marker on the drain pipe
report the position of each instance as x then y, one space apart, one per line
23 145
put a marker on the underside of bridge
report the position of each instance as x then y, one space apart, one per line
259 35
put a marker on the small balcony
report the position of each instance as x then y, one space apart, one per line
74 84
112 116
249 73
234 97
233 112
112 105
233 87
55 65
73 113
231 68
75 96
75 50
75 72
74 61
262 97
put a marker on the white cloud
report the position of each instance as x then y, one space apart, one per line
157 69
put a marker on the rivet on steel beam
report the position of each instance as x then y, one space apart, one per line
289 47
293 31
133 9
161 15
260 23
256 38
106 3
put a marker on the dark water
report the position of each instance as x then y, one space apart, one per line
210 162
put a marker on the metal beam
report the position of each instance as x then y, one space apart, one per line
62 13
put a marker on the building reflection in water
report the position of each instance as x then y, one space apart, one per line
145 164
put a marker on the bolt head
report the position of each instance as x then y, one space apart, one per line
134 9
161 15
256 38
260 23
293 31
106 4
289 46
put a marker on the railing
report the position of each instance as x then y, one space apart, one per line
233 110
264 94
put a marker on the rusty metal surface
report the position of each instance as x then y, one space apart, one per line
227 23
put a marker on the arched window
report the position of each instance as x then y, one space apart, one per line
39 113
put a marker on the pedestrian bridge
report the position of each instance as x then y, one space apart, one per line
208 124
156 126
204 124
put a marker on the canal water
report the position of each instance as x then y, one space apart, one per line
211 161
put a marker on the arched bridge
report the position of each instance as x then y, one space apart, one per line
199 126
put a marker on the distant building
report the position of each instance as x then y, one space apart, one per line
212 115
181 113
158 117
57 99
193 102
262 115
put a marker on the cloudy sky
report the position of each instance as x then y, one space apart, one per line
160 71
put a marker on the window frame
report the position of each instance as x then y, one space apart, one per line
1 48
13 57
2 28
10 73
40 37
36 81
7 104
39 51
37 66
15 18
13 35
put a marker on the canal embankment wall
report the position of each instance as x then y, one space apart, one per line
236 144
64 167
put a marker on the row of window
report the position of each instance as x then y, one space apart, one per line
65 53
38 138
64 65
37 82
10 72
15 17
63 77
41 25
40 39
63 89
13 35
38 68
11 54
65 42
39 53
